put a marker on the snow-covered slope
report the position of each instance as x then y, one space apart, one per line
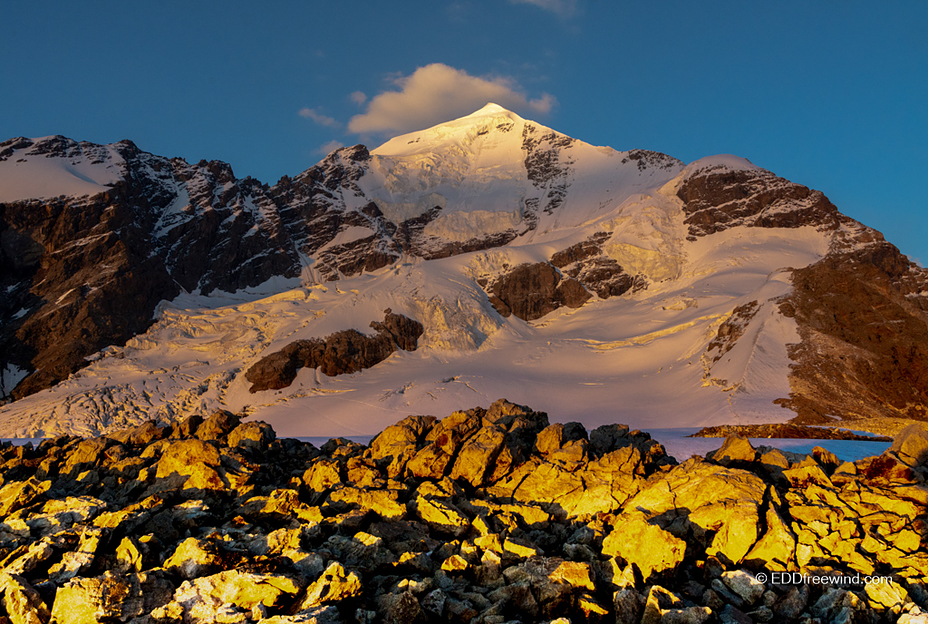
53 166
598 285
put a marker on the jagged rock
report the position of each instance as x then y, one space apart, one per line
696 499
322 475
603 486
219 425
230 595
22 602
343 352
26 558
744 584
135 555
86 454
776 549
19 494
193 558
196 460
477 458
575 574
253 435
335 584
628 605
110 597
792 603
141 435
647 546
735 449
385 503
79 561
441 516
400 608
280 505
607 438
801 476
888 594
361 551
911 445
398 443
57 515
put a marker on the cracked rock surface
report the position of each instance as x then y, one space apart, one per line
486 515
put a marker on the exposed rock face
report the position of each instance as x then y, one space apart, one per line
341 353
523 520
719 198
85 271
82 273
600 274
531 291
863 320
861 311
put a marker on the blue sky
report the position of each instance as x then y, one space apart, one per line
830 95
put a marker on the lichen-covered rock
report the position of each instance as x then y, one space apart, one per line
257 436
198 461
19 494
334 585
557 524
651 549
911 445
110 597
22 602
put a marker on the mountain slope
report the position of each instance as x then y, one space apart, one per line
538 265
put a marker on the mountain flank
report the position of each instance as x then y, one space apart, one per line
713 292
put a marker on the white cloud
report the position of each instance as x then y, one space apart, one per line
319 118
358 98
564 8
437 93
329 147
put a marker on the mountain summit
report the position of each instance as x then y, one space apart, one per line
487 256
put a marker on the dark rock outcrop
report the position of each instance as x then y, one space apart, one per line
530 291
863 320
597 272
784 431
341 353
719 198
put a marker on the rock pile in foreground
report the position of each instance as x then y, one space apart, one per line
485 516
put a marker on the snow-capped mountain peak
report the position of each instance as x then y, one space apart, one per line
511 260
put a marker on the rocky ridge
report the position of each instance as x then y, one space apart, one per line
487 515
785 430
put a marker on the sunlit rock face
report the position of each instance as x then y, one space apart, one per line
139 287
488 512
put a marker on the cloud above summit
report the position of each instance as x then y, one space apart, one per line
436 93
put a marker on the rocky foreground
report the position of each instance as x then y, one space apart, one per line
485 516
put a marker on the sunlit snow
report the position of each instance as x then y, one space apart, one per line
638 359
